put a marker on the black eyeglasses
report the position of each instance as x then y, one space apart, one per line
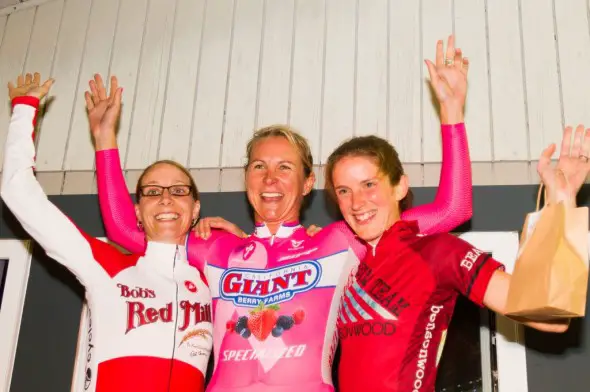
157 190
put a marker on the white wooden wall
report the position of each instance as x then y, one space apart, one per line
201 75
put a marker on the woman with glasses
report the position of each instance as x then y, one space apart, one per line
150 312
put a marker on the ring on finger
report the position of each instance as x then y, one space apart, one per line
584 158
449 62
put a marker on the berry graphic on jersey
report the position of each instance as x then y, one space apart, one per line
298 316
285 322
241 324
262 320
277 331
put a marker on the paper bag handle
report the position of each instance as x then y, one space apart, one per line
542 186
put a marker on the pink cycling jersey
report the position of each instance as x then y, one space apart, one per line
149 326
276 297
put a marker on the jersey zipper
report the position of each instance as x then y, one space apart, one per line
175 319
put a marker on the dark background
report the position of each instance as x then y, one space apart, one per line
49 327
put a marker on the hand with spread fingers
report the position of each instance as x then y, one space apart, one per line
448 78
103 111
573 163
29 85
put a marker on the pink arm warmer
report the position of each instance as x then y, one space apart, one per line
118 212
452 205
116 205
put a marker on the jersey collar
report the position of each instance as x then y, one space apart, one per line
286 229
162 258
398 231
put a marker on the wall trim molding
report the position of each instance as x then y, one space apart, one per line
231 179
22 6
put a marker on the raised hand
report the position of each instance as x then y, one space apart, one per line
29 85
103 111
448 78
203 228
573 163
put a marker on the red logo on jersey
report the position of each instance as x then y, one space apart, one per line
137 292
190 286
190 314
248 250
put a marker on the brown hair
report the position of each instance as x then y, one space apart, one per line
381 151
293 137
193 184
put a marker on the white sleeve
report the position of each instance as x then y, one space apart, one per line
24 196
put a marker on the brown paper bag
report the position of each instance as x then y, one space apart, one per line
550 276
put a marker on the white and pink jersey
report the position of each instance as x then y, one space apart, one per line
275 304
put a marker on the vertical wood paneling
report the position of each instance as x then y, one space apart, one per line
44 38
371 68
13 53
508 101
339 86
574 59
405 79
437 23
180 96
125 61
151 85
96 59
541 75
275 67
66 66
242 87
3 19
470 34
211 85
308 63
43 42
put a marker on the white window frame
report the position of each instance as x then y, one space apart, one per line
18 253
510 348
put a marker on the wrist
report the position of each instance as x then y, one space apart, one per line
451 115
105 142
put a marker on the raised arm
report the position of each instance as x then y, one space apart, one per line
573 162
452 205
25 198
116 206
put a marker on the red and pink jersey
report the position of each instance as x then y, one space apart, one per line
150 314
276 296
396 311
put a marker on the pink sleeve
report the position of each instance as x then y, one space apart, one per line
452 205
354 242
118 211
116 206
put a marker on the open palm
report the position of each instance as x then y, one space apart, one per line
448 76
573 163
103 110
29 85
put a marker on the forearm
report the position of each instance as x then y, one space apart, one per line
452 205
116 206
25 198
556 326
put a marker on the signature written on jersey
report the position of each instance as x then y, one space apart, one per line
247 287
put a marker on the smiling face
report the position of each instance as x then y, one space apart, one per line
367 200
275 181
166 218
